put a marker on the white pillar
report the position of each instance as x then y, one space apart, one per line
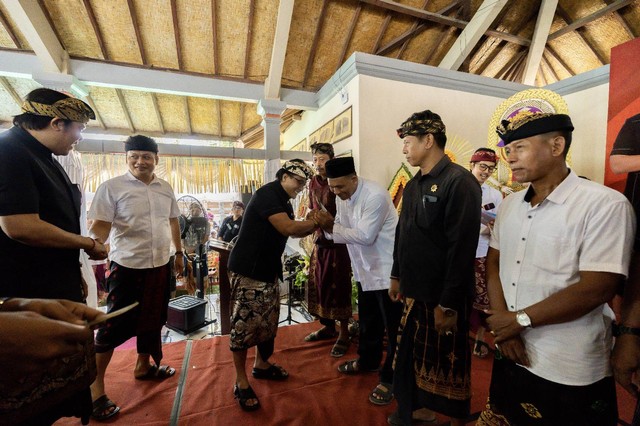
271 111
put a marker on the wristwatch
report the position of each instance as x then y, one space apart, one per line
448 312
619 329
523 319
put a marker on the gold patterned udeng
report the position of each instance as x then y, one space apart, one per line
66 109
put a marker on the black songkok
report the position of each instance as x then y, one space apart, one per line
140 143
339 167
525 125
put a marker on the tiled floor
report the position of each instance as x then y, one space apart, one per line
212 311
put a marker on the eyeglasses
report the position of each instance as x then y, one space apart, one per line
300 181
486 168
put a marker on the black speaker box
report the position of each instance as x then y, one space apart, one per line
186 314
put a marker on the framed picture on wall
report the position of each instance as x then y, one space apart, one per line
326 132
314 137
342 126
348 153
300 146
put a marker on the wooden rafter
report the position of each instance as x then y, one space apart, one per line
88 99
47 15
247 50
176 32
546 63
219 102
415 25
314 44
154 101
7 86
241 120
539 40
415 29
125 110
214 31
187 114
383 28
440 39
565 16
543 77
622 21
572 26
136 28
352 26
546 54
514 71
5 24
510 63
441 19
557 57
498 48
96 29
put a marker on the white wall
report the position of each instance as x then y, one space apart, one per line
385 104
589 111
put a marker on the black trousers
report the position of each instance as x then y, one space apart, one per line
377 314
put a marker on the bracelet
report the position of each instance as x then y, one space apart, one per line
93 246
619 330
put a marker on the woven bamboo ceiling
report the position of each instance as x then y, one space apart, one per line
219 57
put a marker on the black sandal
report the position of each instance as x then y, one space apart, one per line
243 395
274 372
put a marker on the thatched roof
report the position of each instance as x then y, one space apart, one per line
220 53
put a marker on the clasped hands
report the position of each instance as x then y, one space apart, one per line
506 332
323 218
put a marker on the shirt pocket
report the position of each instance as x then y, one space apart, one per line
429 208
552 253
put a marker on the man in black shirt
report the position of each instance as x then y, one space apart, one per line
231 224
433 271
255 269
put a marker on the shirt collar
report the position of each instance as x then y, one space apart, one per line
561 192
131 177
439 167
358 190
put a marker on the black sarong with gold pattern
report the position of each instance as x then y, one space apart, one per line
430 370
518 397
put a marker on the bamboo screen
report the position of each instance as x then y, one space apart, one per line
187 175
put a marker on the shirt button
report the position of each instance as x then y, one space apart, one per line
529 217
513 284
512 307
518 262
524 239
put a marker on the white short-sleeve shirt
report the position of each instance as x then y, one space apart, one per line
580 226
489 196
139 214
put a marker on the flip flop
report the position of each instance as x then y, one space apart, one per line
101 406
157 373
481 349
274 372
353 367
340 348
382 394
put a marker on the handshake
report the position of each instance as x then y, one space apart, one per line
321 218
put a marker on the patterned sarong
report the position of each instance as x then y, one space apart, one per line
518 397
329 286
255 309
431 370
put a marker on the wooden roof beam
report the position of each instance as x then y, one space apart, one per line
541 32
441 38
241 120
214 33
565 16
154 101
273 82
472 33
88 99
510 63
415 25
96 28
513 71
622 21
441 19
383 28
219 102
314 44
176 32
557 57
125 110
5 24
572 26
352 26
7 86
247 50
414 30
187 114
136 28
547 64
34 25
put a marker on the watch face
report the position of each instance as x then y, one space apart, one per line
523 319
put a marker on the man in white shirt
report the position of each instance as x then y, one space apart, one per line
139 214
558 252
365 221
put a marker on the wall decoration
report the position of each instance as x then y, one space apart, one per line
326 133
342 126
345 154
397 185
526 101
301 146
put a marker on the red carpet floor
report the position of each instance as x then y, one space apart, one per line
315 394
